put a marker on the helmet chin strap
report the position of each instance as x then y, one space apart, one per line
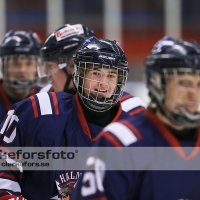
67 84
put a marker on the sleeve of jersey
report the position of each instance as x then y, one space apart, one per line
12 197
101 181
10 174
131 104
15 132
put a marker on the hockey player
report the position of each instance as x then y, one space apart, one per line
171 120
58 64
57 56
19 53
65 120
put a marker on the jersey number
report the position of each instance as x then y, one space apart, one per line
95 178
9 127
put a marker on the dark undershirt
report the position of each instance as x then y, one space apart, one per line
185 134
12 100
99 118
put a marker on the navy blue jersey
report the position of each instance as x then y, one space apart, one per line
130 103
46 120
5 103
142 130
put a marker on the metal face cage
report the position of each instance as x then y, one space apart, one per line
99 86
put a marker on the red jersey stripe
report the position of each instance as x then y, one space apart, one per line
4 99
100 198
112 139
55 102
136 111
132 128
7 176
125 97
171 138
34 105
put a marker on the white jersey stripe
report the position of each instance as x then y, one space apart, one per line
46 88
123 133
9 185
55 198
132 103
44 102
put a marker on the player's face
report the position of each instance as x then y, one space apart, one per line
183 90
100 81
57 76
21 68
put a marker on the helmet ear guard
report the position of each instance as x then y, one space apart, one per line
109 58
172 58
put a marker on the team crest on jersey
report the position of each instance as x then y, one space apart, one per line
65 183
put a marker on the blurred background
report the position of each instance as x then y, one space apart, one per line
136 25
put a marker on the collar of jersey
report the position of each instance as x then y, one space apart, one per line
83 121
172 139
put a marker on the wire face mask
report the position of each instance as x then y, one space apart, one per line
99 86
101 71
183 95
20 56
179 95
172 71
20 72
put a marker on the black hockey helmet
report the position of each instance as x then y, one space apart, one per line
172 56
18 44
61 45
64 42
105 54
